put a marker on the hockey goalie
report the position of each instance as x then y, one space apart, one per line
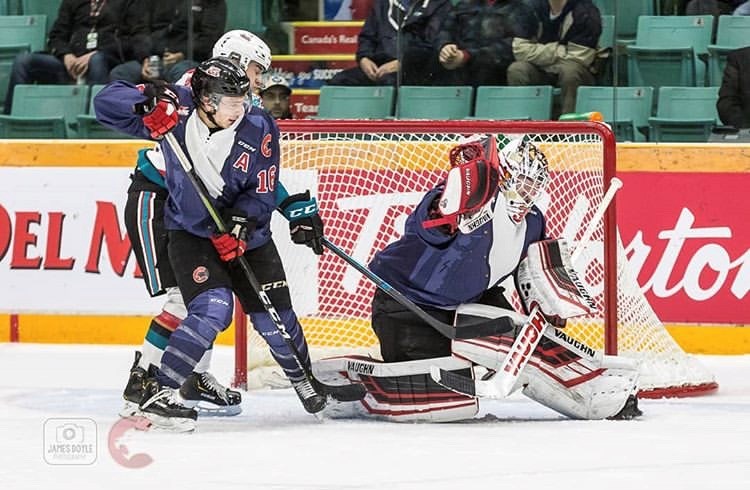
482 226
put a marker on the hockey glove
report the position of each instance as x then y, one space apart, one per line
233 243
305 224
159 110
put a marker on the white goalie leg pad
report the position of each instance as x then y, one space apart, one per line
546 277
576 381
397 391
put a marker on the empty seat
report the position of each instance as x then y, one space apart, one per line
337 102
434 102
88 127
626 14
732 32
23 30
44 111
626 109
245 15
48 8
667 49
522 102
685 114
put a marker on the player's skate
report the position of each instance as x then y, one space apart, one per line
209 397
133 393
163 407
311 399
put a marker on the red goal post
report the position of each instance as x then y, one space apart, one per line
367 175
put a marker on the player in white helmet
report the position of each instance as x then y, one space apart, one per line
144 220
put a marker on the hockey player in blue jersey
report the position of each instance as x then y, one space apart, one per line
144 221
482 225
235 153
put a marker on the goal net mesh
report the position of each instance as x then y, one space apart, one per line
367 177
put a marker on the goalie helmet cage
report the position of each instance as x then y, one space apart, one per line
368 175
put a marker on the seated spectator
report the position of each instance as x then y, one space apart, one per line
87 39
275 95
564 52
395 38
734 95
476 40
167 23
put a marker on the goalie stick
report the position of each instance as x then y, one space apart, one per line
342 393
501 383
486 328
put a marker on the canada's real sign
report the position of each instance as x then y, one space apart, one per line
64 249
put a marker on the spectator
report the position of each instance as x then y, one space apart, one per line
395 38
167 21
476 39
742 9
564 52
734 95
87 39
713 7
275 95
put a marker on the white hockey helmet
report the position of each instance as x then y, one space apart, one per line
525 179
243 47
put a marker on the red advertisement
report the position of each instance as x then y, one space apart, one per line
304 103
326 38
687 236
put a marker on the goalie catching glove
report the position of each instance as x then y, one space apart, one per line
233 243
305 225
470 187
160 110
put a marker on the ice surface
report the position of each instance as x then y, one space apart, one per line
699 443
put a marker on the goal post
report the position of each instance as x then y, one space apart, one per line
368 176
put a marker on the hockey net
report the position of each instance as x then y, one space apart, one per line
368 175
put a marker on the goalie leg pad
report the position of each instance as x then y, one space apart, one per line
563 374
398 391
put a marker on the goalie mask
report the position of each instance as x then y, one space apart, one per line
526 176
470 186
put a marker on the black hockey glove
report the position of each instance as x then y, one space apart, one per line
305 224
160 110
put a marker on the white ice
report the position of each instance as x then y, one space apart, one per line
699 443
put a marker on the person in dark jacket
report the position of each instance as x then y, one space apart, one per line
87 39
396 37
167 21
476 39
734 94
564 50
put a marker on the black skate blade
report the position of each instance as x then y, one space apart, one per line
454 381
345 393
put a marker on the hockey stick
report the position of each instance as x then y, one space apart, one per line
344 393
486 328
500 384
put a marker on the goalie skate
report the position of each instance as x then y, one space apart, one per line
208 397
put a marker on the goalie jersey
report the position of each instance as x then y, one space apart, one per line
239 165
433 268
